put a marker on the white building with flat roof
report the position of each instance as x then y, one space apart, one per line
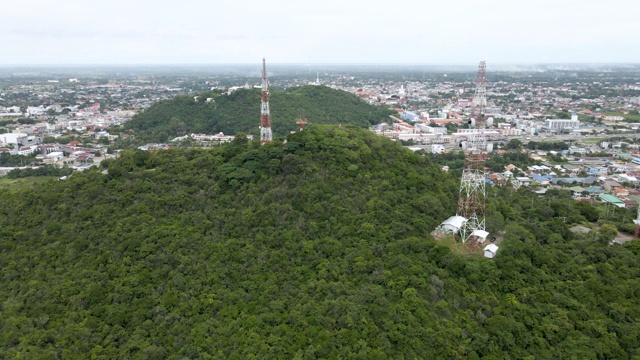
19 139
560 124
35 110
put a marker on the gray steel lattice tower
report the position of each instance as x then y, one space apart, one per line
480 96
471 201
265 116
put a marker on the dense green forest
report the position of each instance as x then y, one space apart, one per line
240 112
313 248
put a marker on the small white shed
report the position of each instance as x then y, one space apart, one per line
490 251
453 224
480 235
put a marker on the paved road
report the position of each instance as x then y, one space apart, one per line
572 137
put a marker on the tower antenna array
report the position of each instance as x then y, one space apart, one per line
265 116
471 201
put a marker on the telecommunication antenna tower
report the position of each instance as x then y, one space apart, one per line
265 116
301 123
471 201
480 97
637 222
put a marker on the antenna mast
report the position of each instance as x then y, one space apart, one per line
265 116
471 201
637 222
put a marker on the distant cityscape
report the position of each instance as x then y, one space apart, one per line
77 120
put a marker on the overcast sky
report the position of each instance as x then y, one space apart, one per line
320 31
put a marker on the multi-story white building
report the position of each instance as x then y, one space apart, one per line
27 150
13 139
35 110
19 139
424 128
577 150
560 124
11 109
510 132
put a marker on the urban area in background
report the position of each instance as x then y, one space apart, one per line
577 128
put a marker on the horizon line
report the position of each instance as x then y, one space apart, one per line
319 63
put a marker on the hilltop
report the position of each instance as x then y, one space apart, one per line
314 248
240 112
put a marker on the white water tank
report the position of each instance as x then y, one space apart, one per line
489 148
490 122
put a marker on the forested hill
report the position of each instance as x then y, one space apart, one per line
314 248
240 112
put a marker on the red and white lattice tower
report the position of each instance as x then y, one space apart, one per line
301 123
471 202
265 116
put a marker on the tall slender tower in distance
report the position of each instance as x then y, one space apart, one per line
265 117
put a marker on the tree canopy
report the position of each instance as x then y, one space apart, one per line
317 247
240 111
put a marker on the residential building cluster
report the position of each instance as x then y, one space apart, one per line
520 104
612 180
432 108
